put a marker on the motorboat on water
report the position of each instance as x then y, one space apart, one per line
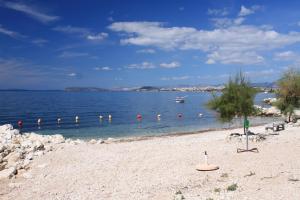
179 99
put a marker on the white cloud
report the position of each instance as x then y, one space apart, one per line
248 11
99 36
69 54
72 74
81 32
218 12
227 22
143 65
227 57
30 11
286 55
170 65
40 42
262 73
11 33
243 44
72 30
175 78
103 68
149 51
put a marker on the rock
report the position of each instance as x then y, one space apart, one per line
2 148
78 141
38 145
6 127
68 140
93 141
25 164
26 144
42 166
49 148
178 195
12 159
3 165
14 185
100 141
38 153
109 140
29 156
57 139
8 173
27 175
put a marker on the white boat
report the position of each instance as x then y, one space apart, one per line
179 99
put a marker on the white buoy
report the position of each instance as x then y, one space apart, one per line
109 117
100 117
58 120
200 115
39 121
158 117
77 119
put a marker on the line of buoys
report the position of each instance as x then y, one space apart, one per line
101 117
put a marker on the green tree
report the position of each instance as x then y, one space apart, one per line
237 99
288 93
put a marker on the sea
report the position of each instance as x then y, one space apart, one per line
193 115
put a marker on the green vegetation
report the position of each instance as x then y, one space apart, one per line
232 187
289 92
224 175
237 99
210 198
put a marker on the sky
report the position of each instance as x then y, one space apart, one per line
118 43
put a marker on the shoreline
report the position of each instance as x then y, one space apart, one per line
139 138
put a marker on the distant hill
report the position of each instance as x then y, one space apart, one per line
148 88
85 89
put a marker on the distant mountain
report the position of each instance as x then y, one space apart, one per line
264 85
27 90
85 89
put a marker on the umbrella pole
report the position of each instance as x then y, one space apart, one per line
247 141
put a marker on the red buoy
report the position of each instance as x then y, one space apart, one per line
139 117
20 123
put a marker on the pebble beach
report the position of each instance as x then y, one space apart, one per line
52 167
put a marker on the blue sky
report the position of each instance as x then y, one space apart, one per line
56 44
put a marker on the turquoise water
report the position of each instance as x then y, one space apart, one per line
28 106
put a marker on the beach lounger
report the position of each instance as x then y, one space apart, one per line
275 126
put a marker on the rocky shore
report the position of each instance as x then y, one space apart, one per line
18 150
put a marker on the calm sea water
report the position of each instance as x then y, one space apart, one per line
123 106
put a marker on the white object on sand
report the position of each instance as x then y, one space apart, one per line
206 166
